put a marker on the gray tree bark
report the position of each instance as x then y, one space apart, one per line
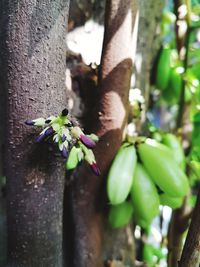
32 77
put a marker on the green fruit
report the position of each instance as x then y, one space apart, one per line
147 255
175 84
163 69
120 215
72 160
159 253
172 202
120 176
168 17
171 141
169 97
163 169
175 81
195 70
141 222
144 195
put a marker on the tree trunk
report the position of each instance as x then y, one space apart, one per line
178 225
191 251
32 77
150 16
110 117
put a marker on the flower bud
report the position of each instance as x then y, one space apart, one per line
65 112
95 169
49 131
29 122
64 152
40 137
63 138
87 141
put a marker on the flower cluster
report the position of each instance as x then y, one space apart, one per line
71 140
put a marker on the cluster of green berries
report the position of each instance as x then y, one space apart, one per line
73 144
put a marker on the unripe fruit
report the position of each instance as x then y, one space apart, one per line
172 202
175 84
163 169
120 176
163 69
171 141
120 215
148 255
144 195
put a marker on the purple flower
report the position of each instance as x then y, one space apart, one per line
95 169
29 122
63 138
87 141
49 131
64 152
40 137
43 134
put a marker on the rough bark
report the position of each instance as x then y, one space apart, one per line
32 77
110 116
178 225
148 42
119 247
191 251
2 142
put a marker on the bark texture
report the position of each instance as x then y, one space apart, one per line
33 54
178 225
119 247
148 42
110 116
191 251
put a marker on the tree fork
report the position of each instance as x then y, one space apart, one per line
110 117
32 76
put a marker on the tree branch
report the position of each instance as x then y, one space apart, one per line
191 251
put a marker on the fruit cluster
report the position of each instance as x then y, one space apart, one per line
73 144
144 175
170 75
